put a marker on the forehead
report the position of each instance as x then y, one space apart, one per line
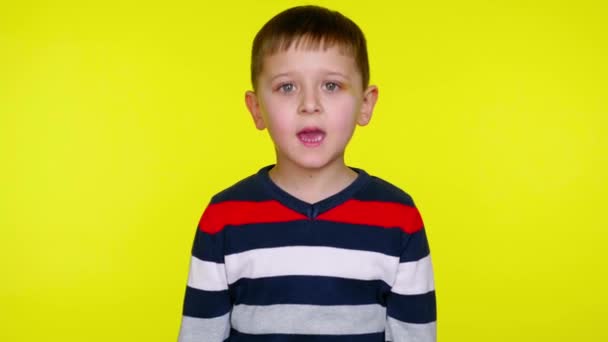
310 60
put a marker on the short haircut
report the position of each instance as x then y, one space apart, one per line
312 27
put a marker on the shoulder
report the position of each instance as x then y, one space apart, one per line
381 190
233 204
388 205
247 189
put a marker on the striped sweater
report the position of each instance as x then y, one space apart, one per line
267 266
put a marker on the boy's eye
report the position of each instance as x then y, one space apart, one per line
286 88
331 86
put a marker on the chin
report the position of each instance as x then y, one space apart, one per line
314 163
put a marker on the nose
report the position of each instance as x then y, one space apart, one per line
309 102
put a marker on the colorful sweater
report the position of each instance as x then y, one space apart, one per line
267 266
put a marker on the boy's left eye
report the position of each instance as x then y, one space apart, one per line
331 86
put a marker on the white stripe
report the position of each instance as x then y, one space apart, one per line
195 329
313 261
206 275
309 319
397 331
415 277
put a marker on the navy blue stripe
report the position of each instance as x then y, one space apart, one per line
380 190
314 290
248 189
412 308
416 246
208 247
236 336
206 304
313 233
236 239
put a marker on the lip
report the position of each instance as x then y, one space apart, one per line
311 136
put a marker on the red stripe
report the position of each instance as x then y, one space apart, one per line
219 215
374 213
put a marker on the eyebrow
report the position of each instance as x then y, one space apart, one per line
279 75
330 73
333 73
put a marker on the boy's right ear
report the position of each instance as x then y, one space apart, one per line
251 100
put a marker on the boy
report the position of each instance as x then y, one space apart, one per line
310 249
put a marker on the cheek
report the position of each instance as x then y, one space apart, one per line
278 125
347 114
275 115
278 122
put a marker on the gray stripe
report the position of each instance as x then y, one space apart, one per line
204 329
309 319
398 331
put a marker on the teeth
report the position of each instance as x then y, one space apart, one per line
311 137
314 140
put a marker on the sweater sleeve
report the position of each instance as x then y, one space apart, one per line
207 304
411 306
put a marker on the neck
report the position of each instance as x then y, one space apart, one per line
312 185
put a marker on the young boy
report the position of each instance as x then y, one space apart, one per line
310 249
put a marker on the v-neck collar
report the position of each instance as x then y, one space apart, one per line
312 210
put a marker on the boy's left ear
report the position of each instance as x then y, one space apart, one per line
370 96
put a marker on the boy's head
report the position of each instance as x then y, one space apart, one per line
310 77
309 27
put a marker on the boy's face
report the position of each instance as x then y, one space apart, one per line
310 101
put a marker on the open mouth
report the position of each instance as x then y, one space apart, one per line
311 136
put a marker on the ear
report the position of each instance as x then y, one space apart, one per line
251 100
370 96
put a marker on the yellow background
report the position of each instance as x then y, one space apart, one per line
119 120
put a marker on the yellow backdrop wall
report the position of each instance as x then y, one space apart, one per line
120 119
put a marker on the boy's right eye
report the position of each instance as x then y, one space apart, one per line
286 88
